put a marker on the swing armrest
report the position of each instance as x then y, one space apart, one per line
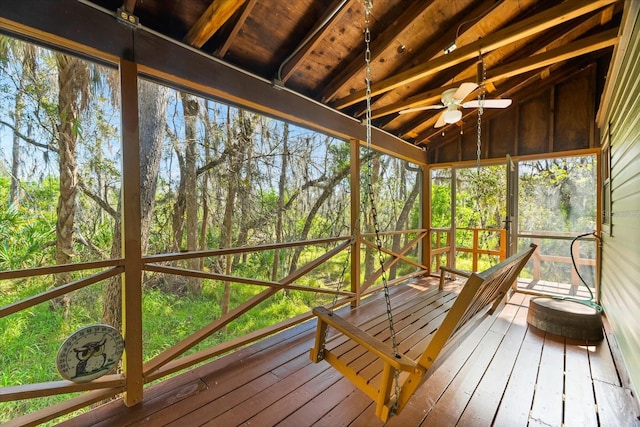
372 344
457 272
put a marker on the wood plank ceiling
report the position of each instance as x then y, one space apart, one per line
316 47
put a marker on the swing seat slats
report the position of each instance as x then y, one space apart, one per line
423 329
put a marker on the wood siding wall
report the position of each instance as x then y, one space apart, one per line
620 288
558 117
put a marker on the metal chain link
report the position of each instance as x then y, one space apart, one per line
374 212
481 98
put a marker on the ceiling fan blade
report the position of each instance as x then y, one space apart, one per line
426 107
464 90
440 121
488 103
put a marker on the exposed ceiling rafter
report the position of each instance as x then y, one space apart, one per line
317 35
378 46
467 32
583 46
211 20
222 50
542 21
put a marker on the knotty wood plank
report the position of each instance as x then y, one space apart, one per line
484 403
547 401
579 402
517 399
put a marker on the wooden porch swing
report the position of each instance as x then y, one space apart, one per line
390 370
352 352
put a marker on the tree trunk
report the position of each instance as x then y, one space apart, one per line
281 195
70 78
153 100
227 223
401 224
369 256
14 191
191 108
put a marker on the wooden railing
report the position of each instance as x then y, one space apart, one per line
449 249
172 359
442 243
538 257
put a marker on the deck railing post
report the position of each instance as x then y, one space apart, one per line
131 226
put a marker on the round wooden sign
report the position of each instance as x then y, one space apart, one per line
89 353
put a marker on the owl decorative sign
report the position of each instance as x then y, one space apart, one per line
91 352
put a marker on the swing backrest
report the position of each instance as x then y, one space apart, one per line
481 291
484 289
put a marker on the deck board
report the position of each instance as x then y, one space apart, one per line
486 398
579 403
503 373
547 400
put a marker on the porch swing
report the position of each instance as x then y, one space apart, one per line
386 368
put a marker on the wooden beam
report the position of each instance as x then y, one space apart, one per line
222 51
378 46
98 34
550 40
543 21
571 50
90 32
525 86
35 390
131 226
168 61
296 60
498 15
590 44
211 20
129 5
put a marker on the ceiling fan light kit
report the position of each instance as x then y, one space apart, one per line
452 115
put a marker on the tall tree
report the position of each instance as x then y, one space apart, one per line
153 102
74 79
403 221
281 196
190 107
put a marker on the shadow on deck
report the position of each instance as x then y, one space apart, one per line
506 373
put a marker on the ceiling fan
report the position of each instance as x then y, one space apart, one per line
453 98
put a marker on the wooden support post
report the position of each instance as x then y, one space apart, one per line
316 354
132 280
425 218
476 248
354 153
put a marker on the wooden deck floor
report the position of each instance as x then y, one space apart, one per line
504 374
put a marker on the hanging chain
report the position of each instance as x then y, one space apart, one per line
374 213
481 96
